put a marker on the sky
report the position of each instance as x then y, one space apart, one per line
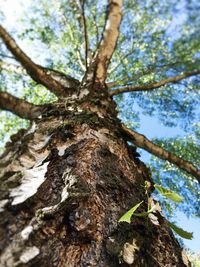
13 9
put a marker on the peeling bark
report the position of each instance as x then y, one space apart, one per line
87 177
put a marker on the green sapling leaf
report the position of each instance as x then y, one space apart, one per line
182 233
127 216
168 193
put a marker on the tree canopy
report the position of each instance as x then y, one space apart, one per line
154 70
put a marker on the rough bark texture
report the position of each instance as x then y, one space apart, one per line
65 183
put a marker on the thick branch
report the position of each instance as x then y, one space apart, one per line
19 107
36 72
142 142
66 80
152 86
107 45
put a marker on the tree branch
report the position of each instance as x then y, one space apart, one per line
6 56
36 72
152 86
65 80
108 42
142 142
66 23
94 16
19 107
142 72
119 64
83 26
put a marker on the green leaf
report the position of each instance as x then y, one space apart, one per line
127 216
180 231
146 213
168 193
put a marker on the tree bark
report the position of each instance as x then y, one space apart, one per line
66 181
19 106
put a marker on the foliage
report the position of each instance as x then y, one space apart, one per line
182 183
9 124
179 231
152 208
127 216
168 193
194 258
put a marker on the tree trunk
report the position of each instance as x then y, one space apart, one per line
66 181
